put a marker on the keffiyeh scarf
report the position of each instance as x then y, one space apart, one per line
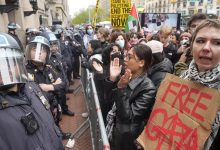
211 79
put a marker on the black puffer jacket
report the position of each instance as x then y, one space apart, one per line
158 71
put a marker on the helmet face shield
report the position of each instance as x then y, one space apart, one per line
12 70
37 52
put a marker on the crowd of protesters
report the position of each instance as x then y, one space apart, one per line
128 69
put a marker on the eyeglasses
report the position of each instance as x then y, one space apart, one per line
130 56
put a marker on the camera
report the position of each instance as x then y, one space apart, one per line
30 123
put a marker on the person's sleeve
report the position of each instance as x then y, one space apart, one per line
140 107
179 68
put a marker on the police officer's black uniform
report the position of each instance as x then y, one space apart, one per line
56 62
40 72
11 31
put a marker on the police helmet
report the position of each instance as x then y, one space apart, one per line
68 35
12 25
54 46
77 36
49 36
12 70
57 30
31 30
38 50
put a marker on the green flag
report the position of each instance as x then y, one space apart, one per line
132 20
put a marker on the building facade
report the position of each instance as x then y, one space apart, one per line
185 7
32 13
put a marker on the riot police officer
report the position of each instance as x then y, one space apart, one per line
37 56
24 111
11 31
56 61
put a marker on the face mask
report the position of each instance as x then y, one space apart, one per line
121 43
185 42
90 31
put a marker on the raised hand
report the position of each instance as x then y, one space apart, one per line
115 69
98 67
124 80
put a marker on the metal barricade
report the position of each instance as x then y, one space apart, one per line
97 127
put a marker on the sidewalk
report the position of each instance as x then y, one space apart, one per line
77 104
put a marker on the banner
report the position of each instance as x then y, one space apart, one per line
120 9
154 21
182 116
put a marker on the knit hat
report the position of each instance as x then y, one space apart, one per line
156 46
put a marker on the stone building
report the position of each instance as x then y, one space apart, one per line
32 13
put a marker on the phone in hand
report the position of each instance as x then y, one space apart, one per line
115 55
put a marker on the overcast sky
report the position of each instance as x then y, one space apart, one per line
76 5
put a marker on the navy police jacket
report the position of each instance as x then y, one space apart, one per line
13 134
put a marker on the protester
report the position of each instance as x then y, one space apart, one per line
184 50
186 54
103 36
134 38
112 51
120 39
205 67
26 120
134 96
169 48
94 54
160 64
194 21
88 35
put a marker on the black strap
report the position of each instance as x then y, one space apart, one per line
36 90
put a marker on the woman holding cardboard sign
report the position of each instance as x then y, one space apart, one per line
133 95
205 67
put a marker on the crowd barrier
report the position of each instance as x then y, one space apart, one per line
97 127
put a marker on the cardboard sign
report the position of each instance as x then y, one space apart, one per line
120 9
182 116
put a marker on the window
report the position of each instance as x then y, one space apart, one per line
199 10
183 12
200 2
184 4
192 4
191 12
